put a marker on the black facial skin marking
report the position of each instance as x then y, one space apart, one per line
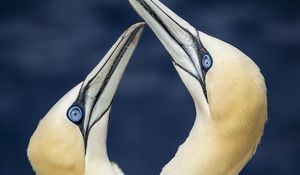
196 41
81 99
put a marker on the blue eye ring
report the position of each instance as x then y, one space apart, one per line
206 62
75 114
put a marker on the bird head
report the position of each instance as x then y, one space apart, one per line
226 85
72 135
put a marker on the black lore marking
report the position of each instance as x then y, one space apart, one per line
81 99
200 49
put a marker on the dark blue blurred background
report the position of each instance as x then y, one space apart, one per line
47 47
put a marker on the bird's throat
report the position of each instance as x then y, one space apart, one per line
96 159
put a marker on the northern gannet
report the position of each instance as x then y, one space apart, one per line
71 138
228 90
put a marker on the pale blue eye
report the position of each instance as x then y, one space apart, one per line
75 114
206 62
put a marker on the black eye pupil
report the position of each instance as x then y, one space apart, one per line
206 62
75 114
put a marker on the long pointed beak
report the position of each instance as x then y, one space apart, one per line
181 40
99 87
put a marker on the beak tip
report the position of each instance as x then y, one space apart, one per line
139 27
135 31
141 24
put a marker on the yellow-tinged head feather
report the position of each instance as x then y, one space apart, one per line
237 101
56 147
235 86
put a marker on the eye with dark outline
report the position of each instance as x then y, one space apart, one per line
75 114
206 62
